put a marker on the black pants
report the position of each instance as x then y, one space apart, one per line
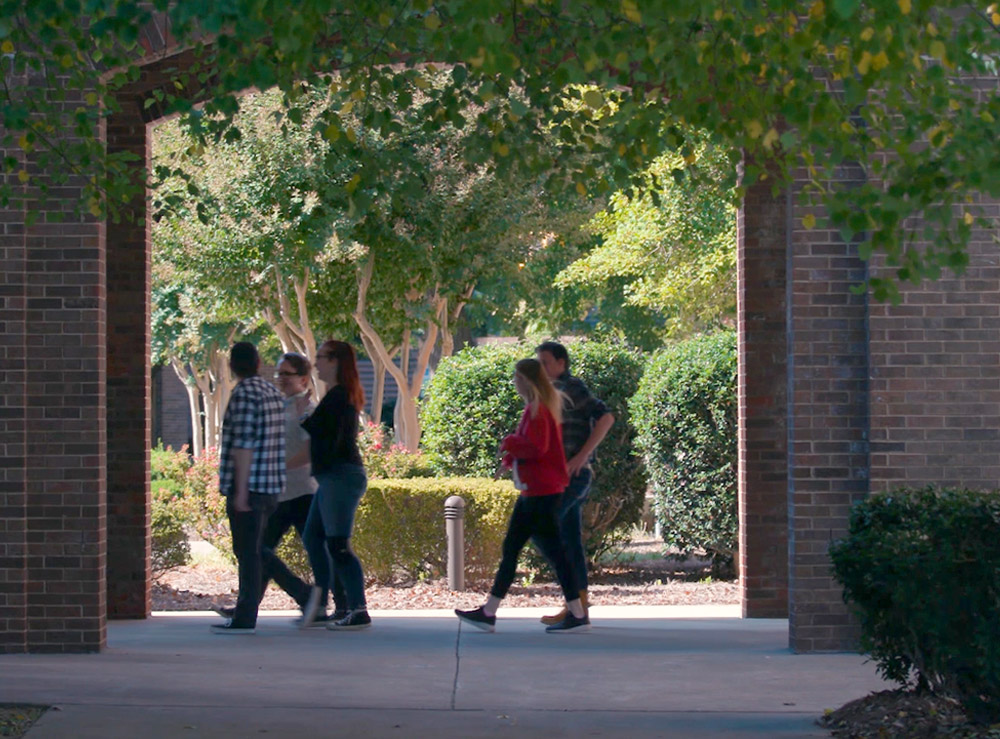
289 513
247 528
535 518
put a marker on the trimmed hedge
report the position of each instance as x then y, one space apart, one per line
470 405
399 530
685 412
921 569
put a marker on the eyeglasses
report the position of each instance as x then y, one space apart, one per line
286 374
323 355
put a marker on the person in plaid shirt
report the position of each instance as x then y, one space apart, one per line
586 421
251 476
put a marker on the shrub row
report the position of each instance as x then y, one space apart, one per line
921 568
399 531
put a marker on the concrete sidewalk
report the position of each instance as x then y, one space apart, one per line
641 672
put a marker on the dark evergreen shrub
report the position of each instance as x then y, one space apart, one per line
921 568
685 413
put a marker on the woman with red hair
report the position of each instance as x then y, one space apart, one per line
338 468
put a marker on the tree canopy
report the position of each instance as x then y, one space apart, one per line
905 89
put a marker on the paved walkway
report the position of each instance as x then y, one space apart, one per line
664 671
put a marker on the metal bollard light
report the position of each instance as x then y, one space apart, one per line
454 522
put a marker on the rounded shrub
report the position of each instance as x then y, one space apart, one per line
685 412
468 407
921 568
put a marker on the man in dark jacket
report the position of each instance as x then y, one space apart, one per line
586 421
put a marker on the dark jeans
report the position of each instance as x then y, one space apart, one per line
248 536
291 513
571 523
329 526
535 518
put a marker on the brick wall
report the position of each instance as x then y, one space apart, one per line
828 423
763 435
128 385
64 406
936 372
13 428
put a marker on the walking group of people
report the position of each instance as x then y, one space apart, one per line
285 462
270 439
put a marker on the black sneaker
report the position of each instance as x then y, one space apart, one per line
321 620
477 618
353 621
311 608
224 611
569 625
230 628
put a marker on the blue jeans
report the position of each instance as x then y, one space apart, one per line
329 526
571 523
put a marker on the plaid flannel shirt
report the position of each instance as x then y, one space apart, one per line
580 413
255 419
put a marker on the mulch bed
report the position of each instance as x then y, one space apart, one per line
659 581
904 714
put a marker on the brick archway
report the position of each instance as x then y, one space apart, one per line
837 397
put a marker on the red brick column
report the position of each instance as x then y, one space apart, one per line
13 431
828 425
763 381
65 455
128 385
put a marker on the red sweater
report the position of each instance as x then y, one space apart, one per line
537 446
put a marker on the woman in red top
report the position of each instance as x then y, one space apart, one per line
535 454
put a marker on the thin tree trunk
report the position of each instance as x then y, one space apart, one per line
408 425
192 392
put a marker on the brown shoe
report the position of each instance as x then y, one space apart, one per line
558 617
555 618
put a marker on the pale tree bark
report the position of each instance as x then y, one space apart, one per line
450 318
292 327
378 367
210 389
407 422
197 432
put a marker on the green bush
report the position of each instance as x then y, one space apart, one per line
168 516
206 507
685 414
922 570
400 529
470 405
612 372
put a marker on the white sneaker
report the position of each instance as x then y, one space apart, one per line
311 608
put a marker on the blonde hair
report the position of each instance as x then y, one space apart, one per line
540 387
